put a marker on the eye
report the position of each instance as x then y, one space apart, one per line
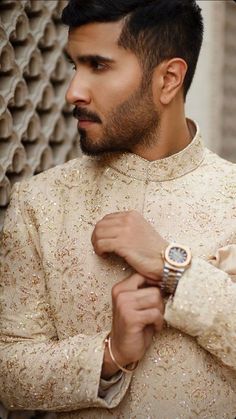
98 66
71 62
72 65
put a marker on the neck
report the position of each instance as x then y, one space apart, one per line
172 135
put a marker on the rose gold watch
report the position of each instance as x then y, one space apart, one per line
177 258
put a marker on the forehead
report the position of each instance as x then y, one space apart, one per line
95 38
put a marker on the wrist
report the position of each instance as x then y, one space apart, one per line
112 363
109 368
158 263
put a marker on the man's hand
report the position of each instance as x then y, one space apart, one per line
137 315
130 236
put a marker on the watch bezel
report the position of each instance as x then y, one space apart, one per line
178 264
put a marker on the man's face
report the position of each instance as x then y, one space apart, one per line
114 107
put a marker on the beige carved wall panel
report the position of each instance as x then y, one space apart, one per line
37 130
229 83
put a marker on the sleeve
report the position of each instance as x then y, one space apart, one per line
204 305
107 387
38 371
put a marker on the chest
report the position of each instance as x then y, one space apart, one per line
79 282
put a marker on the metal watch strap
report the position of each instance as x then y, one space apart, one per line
171 279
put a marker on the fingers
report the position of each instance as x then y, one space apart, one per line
152 316
132 283
128 297
111 224
104 238
137 302
104 246
121 214
106 228
149 298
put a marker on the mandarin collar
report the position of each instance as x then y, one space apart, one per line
169 168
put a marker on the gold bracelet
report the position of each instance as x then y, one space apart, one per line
127 370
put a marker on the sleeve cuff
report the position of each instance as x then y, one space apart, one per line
107 385
112 391
198 298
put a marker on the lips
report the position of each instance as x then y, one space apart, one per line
85 123
83 116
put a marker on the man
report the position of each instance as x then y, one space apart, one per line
164 345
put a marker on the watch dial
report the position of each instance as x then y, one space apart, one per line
178 254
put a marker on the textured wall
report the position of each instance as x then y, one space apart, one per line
37 130
228 148
212 98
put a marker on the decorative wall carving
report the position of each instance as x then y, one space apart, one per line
229 84
37 130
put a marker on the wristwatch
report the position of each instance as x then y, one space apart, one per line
177 258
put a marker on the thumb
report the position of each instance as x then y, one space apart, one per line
132 283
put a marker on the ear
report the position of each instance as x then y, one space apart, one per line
170 75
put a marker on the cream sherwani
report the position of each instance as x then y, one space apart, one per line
56 292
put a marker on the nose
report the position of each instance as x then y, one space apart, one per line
78 91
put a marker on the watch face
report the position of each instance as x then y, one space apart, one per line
178 254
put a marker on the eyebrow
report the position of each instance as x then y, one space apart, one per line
87 59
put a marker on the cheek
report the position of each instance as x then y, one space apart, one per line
115 89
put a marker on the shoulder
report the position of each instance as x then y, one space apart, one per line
218 165
51 188
54 175
221 172
52 181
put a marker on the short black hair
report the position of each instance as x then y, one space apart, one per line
155 30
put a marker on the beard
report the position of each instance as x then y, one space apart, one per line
133 123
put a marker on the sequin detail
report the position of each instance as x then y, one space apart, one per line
56 292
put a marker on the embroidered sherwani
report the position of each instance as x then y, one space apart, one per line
56 292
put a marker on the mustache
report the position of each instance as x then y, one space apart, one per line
80 113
